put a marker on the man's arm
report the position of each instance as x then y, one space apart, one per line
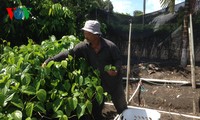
77 51
115 54
116 57
59 57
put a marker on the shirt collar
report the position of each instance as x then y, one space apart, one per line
103 44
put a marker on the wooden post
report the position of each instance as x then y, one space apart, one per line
128 63
192 57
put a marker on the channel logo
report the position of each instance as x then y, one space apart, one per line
19 13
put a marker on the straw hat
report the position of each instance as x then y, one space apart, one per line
92 26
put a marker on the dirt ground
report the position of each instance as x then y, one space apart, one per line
174 100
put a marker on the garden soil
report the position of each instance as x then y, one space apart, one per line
175 101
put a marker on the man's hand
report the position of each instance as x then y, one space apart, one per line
44 64
112 72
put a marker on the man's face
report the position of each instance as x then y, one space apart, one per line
88 36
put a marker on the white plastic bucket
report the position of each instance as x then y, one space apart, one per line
139 114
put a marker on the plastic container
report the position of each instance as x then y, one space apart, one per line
139 114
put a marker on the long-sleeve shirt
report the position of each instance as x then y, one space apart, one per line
109 54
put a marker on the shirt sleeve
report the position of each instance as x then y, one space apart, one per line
116 55
61 56
76 52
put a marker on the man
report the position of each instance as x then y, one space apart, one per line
100 52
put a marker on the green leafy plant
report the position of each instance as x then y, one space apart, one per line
110 67
60 90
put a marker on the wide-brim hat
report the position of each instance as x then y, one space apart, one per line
92 26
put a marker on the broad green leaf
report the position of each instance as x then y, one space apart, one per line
27 56
39 54
28 118
15 85
95 81
113 68
59 113
77 93
50 12
72 102
64 63
18 103
64 117
50 64
27 68
99 94
49 106
108 96
81 80
11 70
89 92
5 78
57 104
25 78
5 90
55 82
17 115
70 57
83 65
89 106
39 107
63 93
80 110
73 87
57 65
53 96
87 81
30 90
109 67
37 84
41 95
70 75
97 73
45 72
99 89
56 73
99 98
29 109
42 82
19 62
67 85
2 99
76 72
8 83
8 98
